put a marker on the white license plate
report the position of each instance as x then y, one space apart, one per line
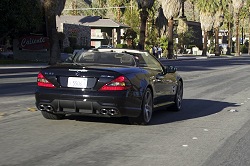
76 82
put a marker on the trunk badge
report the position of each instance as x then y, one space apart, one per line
78 73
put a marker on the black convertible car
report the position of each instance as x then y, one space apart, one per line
108 83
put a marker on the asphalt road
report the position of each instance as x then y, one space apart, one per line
212 129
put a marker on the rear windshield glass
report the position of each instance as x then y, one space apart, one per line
109 58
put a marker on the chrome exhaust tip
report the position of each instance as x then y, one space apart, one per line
104 111
41 107
112 112
44 107
49 108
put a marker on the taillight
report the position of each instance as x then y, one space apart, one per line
43 82
120 83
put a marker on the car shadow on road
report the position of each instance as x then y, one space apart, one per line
114 120
191 109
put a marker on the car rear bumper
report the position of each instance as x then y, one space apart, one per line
118 104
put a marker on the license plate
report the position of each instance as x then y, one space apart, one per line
76 82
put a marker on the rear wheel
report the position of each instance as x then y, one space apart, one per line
52 116
146 110
178 98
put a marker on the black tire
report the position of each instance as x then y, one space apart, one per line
146 110
178 98
48 115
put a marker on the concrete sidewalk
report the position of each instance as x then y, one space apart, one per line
21 66
193 57
179 57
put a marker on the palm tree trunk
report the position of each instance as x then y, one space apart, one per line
217 49
229 39
237 52
53 38
204 51
170 38
183 9
193 11
144 16
249 33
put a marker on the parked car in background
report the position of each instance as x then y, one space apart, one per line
108 83
106 46
6 55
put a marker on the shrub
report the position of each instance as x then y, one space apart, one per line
68 50
243 48
121 46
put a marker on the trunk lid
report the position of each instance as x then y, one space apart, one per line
82 77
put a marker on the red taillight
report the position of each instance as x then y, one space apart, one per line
43 82
120 83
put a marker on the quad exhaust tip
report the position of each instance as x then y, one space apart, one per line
45 107
106 111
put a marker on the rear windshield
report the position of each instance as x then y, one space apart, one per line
106 58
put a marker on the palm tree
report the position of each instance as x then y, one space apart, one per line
171 10
207 12
218 20
248 4
244 14
227 13
237 5
52 8
144 5
161 23
183 9
193 9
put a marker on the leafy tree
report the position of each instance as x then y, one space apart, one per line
171 10
53 8
119 7
86 8
164 44
101 8
18 17
130 35
152 37
131 17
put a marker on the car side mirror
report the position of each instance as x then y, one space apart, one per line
170 69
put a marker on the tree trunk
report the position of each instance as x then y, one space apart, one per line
170 38
249 34
193 11
217 49
144 16
204 51
229 47
183 9
237 51
53 38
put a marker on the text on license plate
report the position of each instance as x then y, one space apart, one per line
76 82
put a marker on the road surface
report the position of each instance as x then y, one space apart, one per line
212 129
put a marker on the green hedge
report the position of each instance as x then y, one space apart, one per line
121 46
243 48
